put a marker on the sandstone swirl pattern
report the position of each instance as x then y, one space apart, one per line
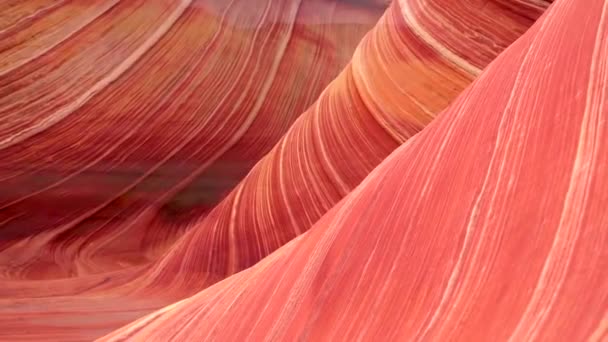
122 177
401 75
117 115
119 118
489 224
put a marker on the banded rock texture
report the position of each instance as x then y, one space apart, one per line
404 72
120 117
94 255
489 224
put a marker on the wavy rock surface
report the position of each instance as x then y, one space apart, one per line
120 118
381 99
125 115
198 97
490 223
356 117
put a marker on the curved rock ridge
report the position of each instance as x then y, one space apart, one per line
404 72
106 165
129 231
489 224
119 117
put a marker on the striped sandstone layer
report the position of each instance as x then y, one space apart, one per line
411 66
125 115
489 224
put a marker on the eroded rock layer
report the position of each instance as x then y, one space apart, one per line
404 72
489 224
120 117
130 182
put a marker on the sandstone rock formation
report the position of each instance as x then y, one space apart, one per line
203 170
